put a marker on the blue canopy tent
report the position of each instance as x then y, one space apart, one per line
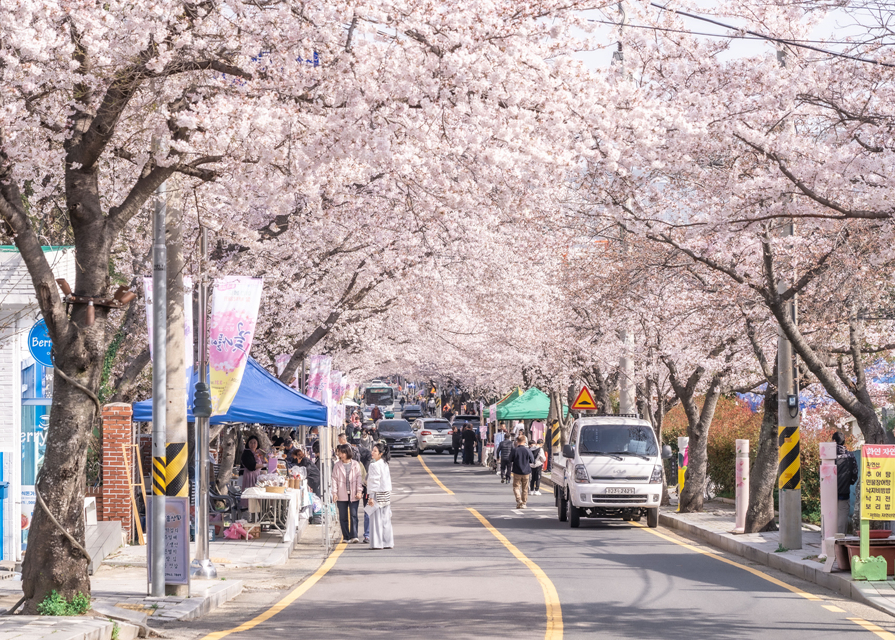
261 399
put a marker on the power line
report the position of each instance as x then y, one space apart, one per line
714 35
783 41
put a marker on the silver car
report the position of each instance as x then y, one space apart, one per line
433 434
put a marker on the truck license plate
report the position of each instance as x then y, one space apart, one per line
619 490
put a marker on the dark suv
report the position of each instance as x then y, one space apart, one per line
398 436
412 412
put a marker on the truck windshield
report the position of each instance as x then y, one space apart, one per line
618 439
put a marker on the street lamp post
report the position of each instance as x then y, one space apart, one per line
201 566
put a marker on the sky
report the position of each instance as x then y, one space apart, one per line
836 26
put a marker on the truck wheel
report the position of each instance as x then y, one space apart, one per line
652 518
560 505
574 515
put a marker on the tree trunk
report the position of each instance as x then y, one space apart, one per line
693 494
763 477
226 457
51 561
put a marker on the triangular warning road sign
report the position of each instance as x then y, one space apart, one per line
584 401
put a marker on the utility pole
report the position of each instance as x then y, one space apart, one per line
788 448
788 415
627 392
201 566
176 447
159 384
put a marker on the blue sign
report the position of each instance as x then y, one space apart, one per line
40 345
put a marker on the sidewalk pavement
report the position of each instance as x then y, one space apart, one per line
119 593
715 526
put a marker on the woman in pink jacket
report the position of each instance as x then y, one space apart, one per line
348 490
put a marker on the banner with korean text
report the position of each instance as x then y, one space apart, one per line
234 314
318 376
877 481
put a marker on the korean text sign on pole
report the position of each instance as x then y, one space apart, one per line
234 314
877 503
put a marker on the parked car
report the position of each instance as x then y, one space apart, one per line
460 420
432 434
611 468
399 436
412 412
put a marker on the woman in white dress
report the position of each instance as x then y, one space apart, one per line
379 491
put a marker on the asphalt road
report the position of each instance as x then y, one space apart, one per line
450 577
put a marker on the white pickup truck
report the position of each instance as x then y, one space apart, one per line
611 468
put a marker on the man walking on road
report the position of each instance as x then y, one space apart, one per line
522 460
499 437
504 453
456 440
468 444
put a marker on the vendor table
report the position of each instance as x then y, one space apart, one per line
281 512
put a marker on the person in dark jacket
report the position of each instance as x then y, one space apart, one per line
846 476
302 460
504 449
456 440
468 444
522 460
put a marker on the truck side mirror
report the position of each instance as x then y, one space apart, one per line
568 451
666 452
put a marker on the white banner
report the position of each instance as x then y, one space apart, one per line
187 318
234 314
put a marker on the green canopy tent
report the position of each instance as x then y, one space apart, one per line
510 397
531 405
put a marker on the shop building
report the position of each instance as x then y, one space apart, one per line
26 393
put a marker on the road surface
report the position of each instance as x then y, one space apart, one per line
528 575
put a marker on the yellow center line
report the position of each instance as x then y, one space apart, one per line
876 629
434 477
770 579
284 602
551 597
833 608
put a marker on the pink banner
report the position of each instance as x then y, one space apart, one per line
318 377
234 313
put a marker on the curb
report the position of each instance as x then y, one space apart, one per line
861 591
196 607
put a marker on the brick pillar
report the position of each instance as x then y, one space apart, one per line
117 431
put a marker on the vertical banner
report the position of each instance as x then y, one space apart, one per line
234 313
318 376
281 360
187 318
336 417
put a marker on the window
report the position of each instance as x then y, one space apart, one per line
618 439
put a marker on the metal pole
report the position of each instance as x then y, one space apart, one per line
201 566
789 465
325 472
159 389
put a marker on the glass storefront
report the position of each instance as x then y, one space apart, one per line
37 392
